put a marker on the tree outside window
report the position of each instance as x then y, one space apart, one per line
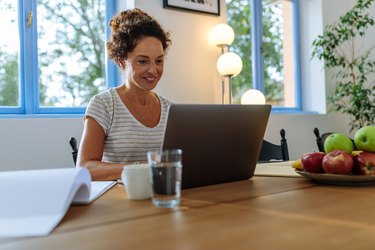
277 49
9 43
71 46
70 38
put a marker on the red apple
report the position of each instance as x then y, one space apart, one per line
312 162
364 163
337 162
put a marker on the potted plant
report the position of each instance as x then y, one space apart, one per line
354 65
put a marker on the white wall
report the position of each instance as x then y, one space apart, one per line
313 74
190 73
190 77
33 143
362 45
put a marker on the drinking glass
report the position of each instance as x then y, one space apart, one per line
165 168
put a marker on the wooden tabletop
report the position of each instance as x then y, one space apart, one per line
260 213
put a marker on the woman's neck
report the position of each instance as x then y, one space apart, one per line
137 95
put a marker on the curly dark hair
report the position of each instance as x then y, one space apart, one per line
128 28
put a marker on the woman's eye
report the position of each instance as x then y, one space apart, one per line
160 61
142 61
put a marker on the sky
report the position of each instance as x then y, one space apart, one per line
9 26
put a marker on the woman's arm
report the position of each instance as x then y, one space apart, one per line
91 151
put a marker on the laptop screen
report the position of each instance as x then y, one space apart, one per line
220 143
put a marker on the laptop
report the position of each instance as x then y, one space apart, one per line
220 143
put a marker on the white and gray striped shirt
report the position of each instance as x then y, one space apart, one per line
127 140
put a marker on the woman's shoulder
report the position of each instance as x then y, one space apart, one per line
106 93
165 100
104 96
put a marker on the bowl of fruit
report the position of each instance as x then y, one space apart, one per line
339 164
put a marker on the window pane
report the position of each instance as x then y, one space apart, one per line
71 51
278 52
9 53
239 18
278 49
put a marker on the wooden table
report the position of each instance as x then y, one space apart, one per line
260 213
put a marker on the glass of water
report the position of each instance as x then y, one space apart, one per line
165 168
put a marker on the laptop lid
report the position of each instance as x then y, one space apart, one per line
220 143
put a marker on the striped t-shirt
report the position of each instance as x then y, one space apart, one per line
126 139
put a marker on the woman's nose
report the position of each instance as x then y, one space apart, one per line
152 68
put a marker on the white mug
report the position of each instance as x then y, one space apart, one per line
136 179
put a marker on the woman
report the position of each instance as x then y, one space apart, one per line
123 123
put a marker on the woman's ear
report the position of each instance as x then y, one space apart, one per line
122 64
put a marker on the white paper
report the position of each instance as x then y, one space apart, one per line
97 189
283 169
33 202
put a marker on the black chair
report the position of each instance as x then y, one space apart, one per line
270 151
321 138
73 144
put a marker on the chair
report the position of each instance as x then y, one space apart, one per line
73 144
321 138
270 151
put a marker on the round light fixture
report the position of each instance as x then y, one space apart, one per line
229 64
253 96
221 35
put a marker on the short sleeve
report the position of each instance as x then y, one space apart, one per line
100 108
165 100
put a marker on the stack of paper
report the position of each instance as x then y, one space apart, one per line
282 168
33 202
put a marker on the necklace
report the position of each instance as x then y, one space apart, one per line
140 115
134 106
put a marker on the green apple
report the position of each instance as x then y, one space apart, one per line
337 141
364 138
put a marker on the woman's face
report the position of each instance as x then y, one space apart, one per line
145 64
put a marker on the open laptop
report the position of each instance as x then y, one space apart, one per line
220 143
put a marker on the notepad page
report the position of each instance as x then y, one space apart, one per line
98 188
33 202
282 169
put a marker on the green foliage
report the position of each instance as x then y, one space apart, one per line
239 18
9 93
354 92
80 38
75 34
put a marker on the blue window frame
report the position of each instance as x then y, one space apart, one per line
28 68
289 87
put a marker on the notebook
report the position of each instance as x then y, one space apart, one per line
220 143
33 202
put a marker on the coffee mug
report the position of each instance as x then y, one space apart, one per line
136 180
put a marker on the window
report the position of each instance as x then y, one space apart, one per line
52 59
267 41
9 43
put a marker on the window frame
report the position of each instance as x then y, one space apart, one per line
257 55
28 64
